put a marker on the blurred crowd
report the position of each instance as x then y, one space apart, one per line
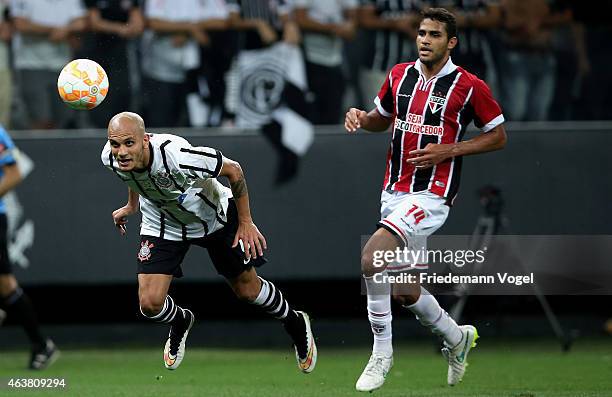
170 59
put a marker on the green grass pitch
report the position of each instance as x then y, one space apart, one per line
517 369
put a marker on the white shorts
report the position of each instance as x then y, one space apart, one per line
412 217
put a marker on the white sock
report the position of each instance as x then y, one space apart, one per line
379 314
430 314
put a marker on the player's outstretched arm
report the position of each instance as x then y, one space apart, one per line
120 215
12 177
434 153
254 242
373 121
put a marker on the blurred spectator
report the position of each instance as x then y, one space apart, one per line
475 19
206 84
526 63
262 23
41 45
5 70
325 25
113 22
593 26
266 85
391 28
170 51
570 58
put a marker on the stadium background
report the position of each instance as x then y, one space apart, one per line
554 177
81 272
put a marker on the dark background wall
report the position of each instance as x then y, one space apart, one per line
555 179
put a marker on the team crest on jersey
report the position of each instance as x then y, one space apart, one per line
162 179
436 102
145 251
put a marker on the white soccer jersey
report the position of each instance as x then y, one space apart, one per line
179 196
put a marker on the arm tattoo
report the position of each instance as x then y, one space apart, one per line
239 188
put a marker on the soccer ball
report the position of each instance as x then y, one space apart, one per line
82 84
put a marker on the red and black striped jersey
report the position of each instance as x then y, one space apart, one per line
437 110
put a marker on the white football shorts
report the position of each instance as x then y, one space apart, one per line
412 217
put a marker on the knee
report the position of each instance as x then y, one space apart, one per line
8 285
151 305
405 299
370 265
247 291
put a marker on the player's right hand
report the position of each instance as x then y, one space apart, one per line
120 218
354 119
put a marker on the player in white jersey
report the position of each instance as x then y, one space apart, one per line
174 185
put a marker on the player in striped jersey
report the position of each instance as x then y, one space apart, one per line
429 103
174 185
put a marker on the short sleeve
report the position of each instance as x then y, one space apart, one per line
77 10
155 9
7 149
233 6
199 161
285 7
350 4
20 8
218 10
487 112
384 100
301 3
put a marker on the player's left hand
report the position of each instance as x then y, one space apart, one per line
433 154
253 241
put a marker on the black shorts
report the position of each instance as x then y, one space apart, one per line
160 256
5 262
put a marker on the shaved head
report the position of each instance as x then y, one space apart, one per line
129 142
127 121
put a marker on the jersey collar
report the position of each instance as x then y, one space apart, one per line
150 156
148 167
448 68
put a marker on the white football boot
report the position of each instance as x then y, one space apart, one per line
375 372
457 356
